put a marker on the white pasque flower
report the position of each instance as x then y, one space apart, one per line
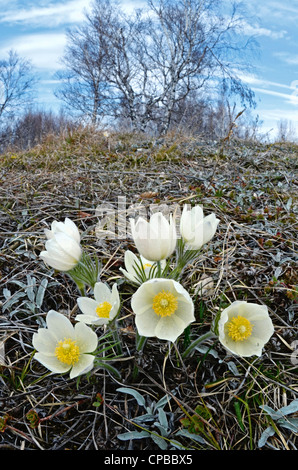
244 328
195 229
163 308
103 308
62 347
63 250
133 265
155 240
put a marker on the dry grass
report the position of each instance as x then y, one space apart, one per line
252 189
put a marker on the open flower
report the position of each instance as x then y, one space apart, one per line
134 265
103 308
195 229
155 240
244 328
62 347
163 308
63 250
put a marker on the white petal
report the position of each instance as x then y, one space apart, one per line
87 305
115 300
169 328
130 277
86 338
130 259
102 292
44 341
84 365
159 226
57 263
59 325
48 233
52 363
146 322
67 227
88 319
68 245
209 227
185 311
143 297
155 240
189 220
72 230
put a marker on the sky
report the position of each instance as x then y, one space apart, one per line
36 30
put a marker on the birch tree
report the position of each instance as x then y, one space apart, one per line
139 67
17 82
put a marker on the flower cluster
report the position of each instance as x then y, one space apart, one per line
162 306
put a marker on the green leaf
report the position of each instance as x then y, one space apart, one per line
289 423
291 408
140 399
265 435
162 402
109 368
163 418
41 292
195 437
162 444
126 436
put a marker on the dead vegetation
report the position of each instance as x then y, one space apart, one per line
209 400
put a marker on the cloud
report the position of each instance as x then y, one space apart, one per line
278 114
257 30
287 57
253 80
54 14
261 85
260 31
285 9
291 99
42 49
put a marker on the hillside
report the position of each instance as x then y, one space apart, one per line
215 399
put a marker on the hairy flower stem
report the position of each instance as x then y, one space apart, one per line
114 331
140 344
184 257
86 272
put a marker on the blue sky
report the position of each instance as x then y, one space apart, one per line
36 30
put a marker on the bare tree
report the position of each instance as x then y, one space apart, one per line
122 68
139 67
286 131
32 127
193 45
17 83
84 86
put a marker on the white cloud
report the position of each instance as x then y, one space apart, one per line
43 49
260 31
285 8
261 85
291 99
253 80
280 114
257 30
287 57
54 14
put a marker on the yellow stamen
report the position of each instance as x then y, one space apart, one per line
103 309
165 303
239 328
67 351
147 265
